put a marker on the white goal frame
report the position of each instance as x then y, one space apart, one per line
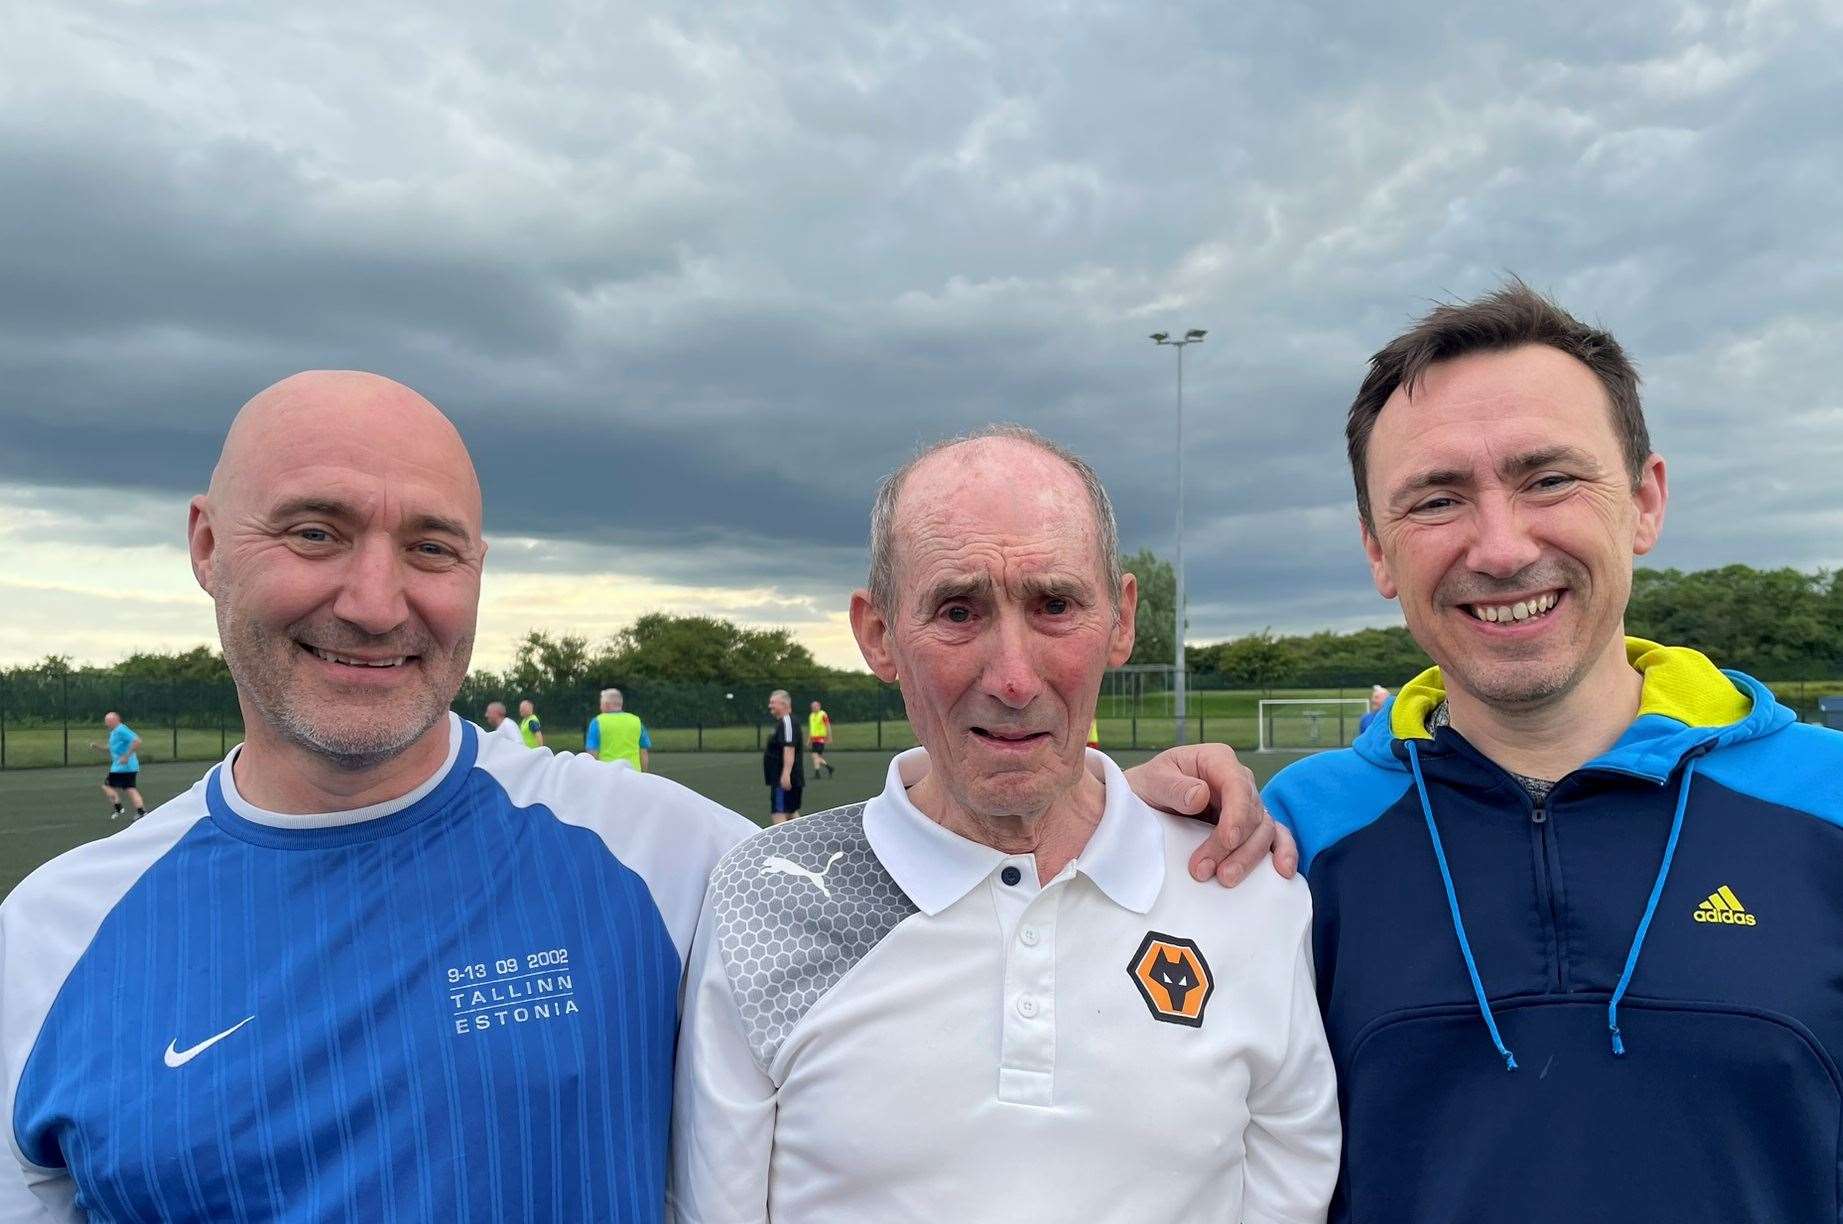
1361 705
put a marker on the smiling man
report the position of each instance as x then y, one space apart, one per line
1578 932
993 992
377 965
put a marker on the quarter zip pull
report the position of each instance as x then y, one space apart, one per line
1539 811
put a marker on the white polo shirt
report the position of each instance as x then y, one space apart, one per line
886 1021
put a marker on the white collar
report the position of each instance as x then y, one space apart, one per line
935 866
227 782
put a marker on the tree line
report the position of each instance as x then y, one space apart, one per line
1778 624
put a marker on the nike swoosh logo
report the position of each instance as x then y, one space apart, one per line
179 1058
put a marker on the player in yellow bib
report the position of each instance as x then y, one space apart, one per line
615 735
818 734
529 728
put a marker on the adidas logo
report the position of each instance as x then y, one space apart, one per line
1725 908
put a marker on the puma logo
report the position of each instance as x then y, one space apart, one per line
774 864
1173 973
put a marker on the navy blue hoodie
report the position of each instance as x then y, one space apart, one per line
1624 1003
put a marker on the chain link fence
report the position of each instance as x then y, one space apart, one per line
53 719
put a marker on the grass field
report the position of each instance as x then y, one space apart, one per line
44 812
1227 716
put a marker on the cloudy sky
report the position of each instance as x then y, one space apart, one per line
685 273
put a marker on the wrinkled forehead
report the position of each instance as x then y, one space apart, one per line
1015 508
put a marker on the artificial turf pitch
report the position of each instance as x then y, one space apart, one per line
44 812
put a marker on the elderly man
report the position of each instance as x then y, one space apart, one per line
614 735
376 965
530 730
1579 934
1378 697
992 992
498 724
781 760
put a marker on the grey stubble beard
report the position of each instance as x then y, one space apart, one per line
263 683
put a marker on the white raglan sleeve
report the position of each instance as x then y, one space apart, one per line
1293 1138
723 1107
24 1200
28 1194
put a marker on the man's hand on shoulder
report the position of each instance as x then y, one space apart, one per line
1207 782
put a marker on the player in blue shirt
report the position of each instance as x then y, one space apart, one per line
375 965
124 764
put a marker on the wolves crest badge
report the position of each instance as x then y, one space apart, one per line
1173 978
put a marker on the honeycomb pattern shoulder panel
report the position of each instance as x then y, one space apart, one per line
795 907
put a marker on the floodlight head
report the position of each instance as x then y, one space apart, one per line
1161 337
1195 333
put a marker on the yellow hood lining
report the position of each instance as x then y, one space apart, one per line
1680 683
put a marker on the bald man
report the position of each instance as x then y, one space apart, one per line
377 964
497 723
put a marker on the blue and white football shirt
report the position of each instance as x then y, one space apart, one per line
459 1005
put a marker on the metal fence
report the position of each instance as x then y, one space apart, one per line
51 720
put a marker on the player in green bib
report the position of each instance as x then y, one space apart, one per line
529 728
615 735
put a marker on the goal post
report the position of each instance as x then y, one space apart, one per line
1306 724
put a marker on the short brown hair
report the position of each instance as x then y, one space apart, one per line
1509 317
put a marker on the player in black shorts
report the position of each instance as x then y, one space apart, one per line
781 760
124 764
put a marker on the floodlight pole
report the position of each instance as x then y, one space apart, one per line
1180 710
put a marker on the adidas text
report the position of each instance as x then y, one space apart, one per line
1725 919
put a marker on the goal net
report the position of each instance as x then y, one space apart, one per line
1305 724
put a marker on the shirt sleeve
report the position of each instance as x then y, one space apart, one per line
646 741
1293 1136
28 1194
724 1105
27 1201
592 738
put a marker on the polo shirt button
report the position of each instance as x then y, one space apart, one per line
1011 875
1027 1007
1029 936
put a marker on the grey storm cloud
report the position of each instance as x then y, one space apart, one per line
691 279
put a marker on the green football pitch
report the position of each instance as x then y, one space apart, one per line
44 812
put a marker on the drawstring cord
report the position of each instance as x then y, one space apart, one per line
1644 924
1452 905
